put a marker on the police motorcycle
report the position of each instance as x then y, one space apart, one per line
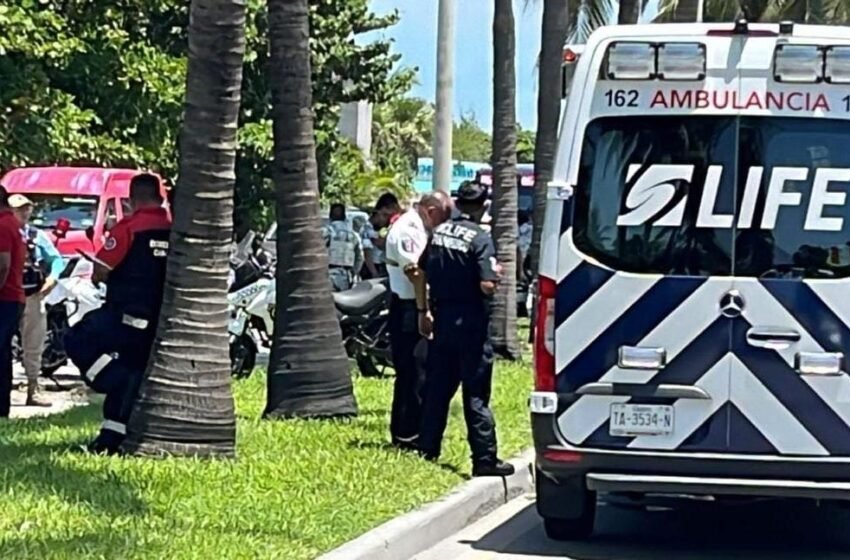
73 296
251 301
363 313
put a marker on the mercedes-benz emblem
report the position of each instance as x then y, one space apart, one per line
732 304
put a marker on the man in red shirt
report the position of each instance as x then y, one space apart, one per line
12 258
110 345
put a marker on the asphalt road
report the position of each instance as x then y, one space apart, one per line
770 530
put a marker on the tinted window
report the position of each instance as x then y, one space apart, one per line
80 211
641 183
800 217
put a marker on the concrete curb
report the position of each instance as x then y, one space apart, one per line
419 530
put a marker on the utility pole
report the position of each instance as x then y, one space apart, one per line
442 147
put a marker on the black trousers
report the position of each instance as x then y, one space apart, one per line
111 354
409 372
10 314
460 355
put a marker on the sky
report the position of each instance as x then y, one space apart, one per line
416 39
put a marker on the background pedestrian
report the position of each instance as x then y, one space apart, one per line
12 256
42 269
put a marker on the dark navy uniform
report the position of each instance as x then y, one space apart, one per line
460 257
111 345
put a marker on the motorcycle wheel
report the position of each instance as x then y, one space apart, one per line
371 366
54 357
17 351
243 357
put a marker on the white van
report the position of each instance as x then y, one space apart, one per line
694 312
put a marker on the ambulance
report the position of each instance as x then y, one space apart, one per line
693 320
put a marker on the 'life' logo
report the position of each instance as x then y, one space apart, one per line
658 197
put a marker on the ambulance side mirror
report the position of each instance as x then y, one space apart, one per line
90 233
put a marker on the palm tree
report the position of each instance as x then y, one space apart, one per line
801 11
308 370
717 10
404 125
558 18
504 210
629 11
185 406
836 12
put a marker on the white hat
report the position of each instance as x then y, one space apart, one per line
19 201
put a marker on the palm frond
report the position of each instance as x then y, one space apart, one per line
592 14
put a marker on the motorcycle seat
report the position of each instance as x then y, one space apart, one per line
361 299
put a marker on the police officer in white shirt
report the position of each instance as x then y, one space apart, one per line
406 243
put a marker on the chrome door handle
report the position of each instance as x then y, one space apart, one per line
662 391
773 338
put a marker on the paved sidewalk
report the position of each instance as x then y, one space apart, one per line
69 393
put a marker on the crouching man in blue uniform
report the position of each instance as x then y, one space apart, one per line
462 275
110 345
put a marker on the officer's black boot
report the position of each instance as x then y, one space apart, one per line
106 443
499 468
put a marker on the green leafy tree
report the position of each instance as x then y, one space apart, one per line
86 83
469 141
103 83
343 70
401 133
525 145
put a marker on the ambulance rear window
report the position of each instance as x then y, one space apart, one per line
639 190
706 196
801 217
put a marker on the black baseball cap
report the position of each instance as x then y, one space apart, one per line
470 191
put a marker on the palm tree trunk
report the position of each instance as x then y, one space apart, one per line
185 406
504 327
308 371
556 22
629 11
686 11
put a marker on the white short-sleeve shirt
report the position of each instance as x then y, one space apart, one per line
406 241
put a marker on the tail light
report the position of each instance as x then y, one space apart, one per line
544 339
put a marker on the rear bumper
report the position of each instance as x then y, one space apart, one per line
613 482
774 476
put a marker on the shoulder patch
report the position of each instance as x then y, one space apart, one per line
110 243
409 245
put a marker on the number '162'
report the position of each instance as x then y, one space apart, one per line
622 97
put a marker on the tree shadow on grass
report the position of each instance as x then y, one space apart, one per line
385 446
34 458
106 543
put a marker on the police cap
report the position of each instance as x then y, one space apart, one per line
472 192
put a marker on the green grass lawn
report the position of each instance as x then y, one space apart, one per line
297 488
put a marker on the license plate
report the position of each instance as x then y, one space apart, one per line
640 419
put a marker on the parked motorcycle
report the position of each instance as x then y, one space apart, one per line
73 297
251 300
363 313
364 318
